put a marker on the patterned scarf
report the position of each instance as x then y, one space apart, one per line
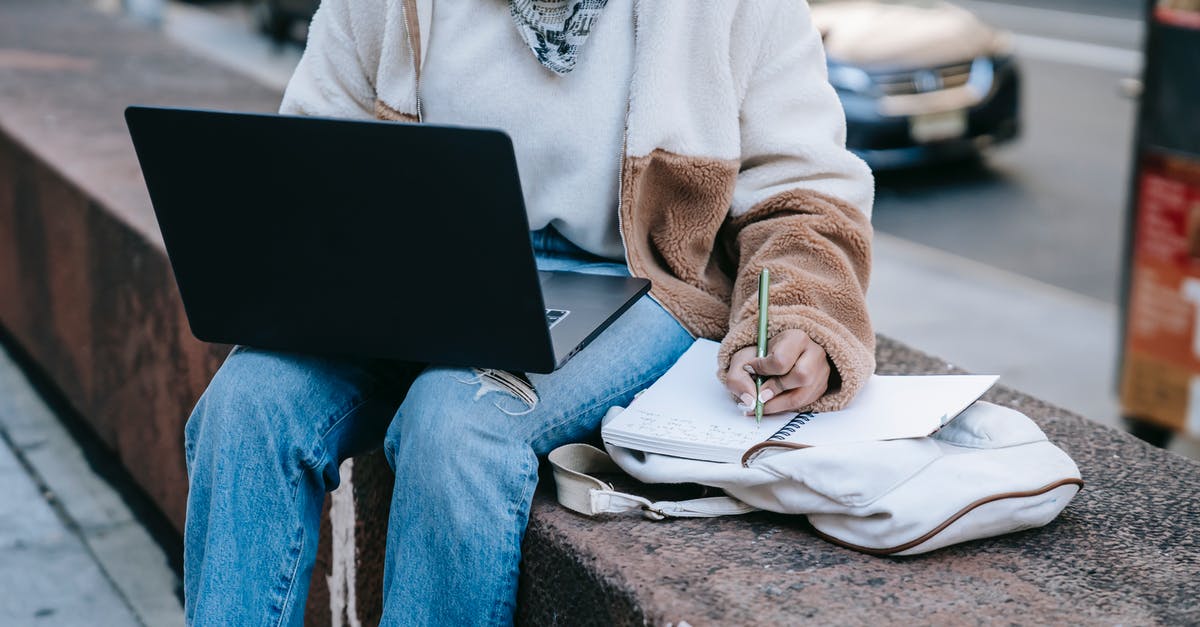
556 29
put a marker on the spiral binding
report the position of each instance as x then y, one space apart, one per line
787 430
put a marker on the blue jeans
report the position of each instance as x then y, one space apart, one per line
265 441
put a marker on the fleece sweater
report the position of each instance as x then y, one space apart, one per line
734 160
566 130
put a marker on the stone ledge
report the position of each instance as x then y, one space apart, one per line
1123 552
86 289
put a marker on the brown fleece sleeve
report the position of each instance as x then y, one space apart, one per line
818 250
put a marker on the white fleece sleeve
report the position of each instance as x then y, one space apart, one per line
793 130
331 80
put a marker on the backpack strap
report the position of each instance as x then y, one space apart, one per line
578 490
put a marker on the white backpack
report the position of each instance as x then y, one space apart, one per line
990 471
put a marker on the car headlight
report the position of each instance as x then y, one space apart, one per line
849 78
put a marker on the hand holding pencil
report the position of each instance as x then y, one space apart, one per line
786 372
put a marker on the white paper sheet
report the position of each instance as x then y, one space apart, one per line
689 413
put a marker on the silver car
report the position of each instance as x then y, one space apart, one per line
920 80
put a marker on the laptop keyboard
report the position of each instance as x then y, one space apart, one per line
553 316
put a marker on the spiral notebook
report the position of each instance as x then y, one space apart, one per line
689 413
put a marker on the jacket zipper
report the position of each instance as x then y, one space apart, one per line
624 145
412 53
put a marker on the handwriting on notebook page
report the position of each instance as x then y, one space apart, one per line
689 413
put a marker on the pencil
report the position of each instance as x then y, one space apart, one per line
764 279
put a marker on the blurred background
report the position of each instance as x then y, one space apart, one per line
1016 145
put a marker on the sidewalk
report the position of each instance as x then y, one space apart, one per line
71 551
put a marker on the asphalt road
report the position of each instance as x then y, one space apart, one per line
1051 205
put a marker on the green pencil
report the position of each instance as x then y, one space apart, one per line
764 279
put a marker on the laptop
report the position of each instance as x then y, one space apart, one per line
374 239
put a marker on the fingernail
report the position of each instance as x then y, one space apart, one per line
766 395
749 368
747 399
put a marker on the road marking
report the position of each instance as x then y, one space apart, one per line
1082 21
1096 56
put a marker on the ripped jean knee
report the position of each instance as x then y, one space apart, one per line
512 386
445 411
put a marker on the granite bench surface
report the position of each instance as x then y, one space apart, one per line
86 290
1125 551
